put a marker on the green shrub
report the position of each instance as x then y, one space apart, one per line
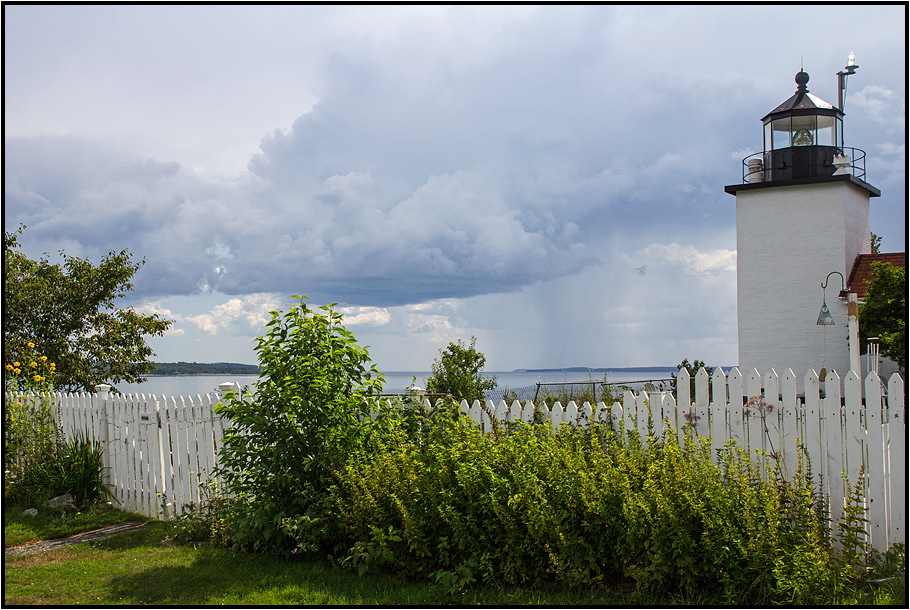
581 507
206 521
75 468
459 372
30 430
282 445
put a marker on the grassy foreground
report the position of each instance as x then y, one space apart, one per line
136 568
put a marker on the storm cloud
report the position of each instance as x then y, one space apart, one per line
410 162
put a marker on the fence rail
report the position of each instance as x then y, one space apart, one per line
158 450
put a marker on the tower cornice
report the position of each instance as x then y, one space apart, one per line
749 186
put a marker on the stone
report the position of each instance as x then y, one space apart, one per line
30 512
64 502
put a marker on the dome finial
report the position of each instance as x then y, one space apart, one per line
801 79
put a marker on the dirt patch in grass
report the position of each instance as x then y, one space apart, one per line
49 558
51 545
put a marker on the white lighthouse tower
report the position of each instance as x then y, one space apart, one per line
802 219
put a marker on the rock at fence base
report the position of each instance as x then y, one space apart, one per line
64 502
30 512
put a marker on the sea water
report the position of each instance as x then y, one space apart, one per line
394 381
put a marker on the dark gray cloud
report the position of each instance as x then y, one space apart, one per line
459 156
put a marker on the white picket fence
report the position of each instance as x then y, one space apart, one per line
160 449
157 450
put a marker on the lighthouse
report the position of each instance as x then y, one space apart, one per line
802 221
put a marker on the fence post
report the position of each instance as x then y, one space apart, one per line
897 460
102 396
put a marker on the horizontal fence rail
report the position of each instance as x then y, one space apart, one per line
158 451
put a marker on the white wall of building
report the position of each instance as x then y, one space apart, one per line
789 238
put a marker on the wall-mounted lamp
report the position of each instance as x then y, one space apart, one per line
824 316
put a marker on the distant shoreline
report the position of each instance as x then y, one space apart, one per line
181 369
153 374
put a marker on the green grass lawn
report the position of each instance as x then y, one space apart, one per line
135 568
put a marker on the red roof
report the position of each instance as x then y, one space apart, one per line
862 270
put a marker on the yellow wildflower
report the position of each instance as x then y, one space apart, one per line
30 344
17 371
37 378
16 364
34 365
43 358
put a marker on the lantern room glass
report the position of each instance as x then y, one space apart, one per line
826 131
780 133
803 128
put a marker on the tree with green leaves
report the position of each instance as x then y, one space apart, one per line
309 413
67 313
883 313
692 369
459 371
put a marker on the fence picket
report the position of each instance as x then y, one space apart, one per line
121 443
735 420
660 414
181 455
166 411
717 413
515 411
834 445
875 448
752 415
570 414
789 406
668 403
683 388
643 412
897 460
628 412
854 440
207 442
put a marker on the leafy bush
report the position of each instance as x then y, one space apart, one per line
420 491
459 371
581 507
205 521
30 430
278 455
74 468
30 437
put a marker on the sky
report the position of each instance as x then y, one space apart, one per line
549 179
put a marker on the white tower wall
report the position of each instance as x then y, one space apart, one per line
789 238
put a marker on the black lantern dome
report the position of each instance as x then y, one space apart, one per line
802 136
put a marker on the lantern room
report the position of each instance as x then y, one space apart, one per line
803 141
802 136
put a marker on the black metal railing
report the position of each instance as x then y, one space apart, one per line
855 167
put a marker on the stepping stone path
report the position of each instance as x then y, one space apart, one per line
50 545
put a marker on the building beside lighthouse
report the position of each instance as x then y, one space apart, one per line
802 223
